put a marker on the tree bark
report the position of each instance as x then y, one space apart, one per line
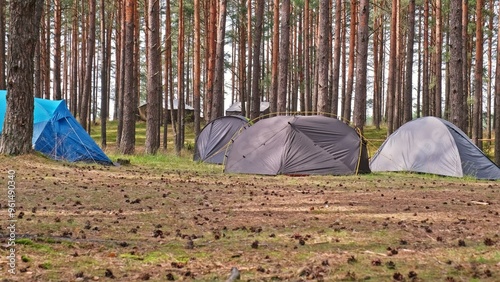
497 99
87 86
323 58
273 96
284 58
336 58
218 95
154 90
127 142
197 68
361 65
408 97
392 75
57 50
457 113
24 28
477 118
256 87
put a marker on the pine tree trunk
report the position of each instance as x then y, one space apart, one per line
154 90
273 97
57 50
361 65
347 103
323 58
127 142
457 112
336 58
256 87
283 59
408 97
197 68
218 95
497 98
87 86
24 29
477 118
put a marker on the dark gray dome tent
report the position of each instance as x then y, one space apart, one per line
433 145
214 139
298 145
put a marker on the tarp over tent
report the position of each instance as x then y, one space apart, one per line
57 134
433 145
298 145
213 142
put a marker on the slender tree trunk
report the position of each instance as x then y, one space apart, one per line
168 80
211 47
180 81
497 98
87 87
24 29
336 58
307 60
392 74
425 68
275 57
104 76
457 111
477 118
350 72
154 91
361 65
248 86
256 87
57 50
218 95
197 68
408 99
284 58
127 143
439 50
323 57
3 52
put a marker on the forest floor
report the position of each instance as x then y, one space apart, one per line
190 221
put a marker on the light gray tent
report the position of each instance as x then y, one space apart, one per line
433 145
214 139
298 145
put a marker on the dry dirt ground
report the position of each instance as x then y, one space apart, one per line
135 223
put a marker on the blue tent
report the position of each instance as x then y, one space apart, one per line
57 134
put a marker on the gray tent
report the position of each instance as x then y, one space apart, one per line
436 146
214 139
298 145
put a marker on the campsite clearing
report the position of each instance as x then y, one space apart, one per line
190 221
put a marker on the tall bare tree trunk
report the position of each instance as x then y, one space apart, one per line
3 84
154 91
346 109
168 76
256 87
392 75
307 60
457 111
24 28
408 97
104 75
57 50
439 61
87 86
477 118
497 98
218 95
197 68
180 82
273 96
425 68
127 142
336 58
323 57
362 65
284 58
